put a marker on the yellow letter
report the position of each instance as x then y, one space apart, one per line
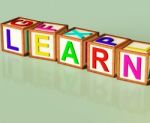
38 45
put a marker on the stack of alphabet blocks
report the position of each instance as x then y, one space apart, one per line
104 54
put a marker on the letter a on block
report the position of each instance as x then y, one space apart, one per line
128 63
100 59
38 45
69 46
9 46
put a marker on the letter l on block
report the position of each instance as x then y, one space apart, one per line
9 46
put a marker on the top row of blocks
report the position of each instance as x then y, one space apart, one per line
105 54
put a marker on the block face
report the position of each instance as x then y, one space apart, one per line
138 47
70 52
43 40
110 40
42 45
101 59
12 40
15 38
72 46
133 67
78 33
49 27
102 54
21 22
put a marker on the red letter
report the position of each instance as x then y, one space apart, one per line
21 22
101 60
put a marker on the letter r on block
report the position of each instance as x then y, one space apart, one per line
102 60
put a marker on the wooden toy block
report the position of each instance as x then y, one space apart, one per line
133 63
43 40
101 56
72 47
14 35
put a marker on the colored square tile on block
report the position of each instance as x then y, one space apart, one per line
15 37
102 54
43 39
72 46
133 62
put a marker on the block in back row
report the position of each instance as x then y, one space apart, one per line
105 54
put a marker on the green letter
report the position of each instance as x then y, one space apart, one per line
69 45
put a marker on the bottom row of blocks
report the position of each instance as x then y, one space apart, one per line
106 54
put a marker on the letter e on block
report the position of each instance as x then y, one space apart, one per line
43 40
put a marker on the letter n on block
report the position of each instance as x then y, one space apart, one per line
72 47
133 63
102 54
43 39
15 36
